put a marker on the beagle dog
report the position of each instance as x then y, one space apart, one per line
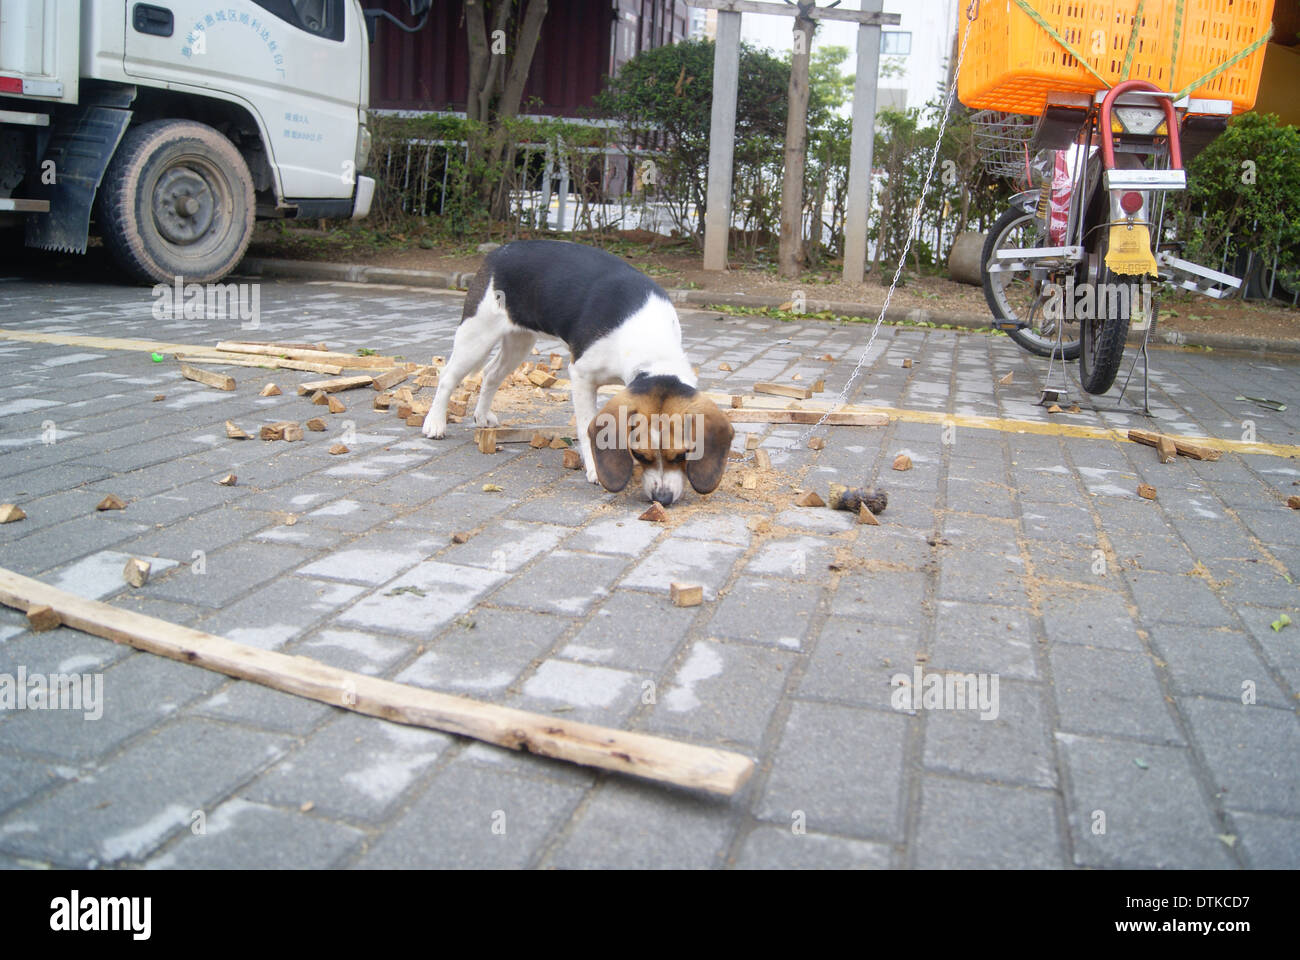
620 328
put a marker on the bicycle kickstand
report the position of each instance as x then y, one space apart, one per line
1049 393
1146 372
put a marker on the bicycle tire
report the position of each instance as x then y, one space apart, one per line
1024 338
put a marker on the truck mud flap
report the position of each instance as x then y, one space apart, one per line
81 145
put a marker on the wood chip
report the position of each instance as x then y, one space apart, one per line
404 395
335 405
206 377
392 378
557 443
41 618
752 441
810 499
229 480
1074 408
456 408
819 386
316 424
797 376
655 513
1185 447
686 594
11 513
320 398
827 358
907 363
1146 491
557 361
1166 452
572 459
737 401
1008 378
417 420
539 440
867 517
1054 408
724 367
383 401
817 443
782 390
762 459
270 390
460 537
902 462
487 440
110 502
136 572
837 419
233 431
338 448
1293 503
158 398
282 430
749 480
541 378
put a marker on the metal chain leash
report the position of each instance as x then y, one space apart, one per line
971 13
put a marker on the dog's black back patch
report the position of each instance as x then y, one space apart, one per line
566 290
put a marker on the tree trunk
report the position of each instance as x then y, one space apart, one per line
791 255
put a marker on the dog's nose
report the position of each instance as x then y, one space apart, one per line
662 496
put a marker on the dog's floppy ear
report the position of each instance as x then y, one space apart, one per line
711 434
608 435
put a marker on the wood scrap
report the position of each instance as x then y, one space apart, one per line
266 363
1185 447
724 367
816 443
558 442
1054 408
702 768
392 378
907 363
752 441
837 419
270 390
334 384
572 459
11 513
229 480
316 424
762 459
158 398
1008 379
540 378
782 390
749 480
1146 491
41 617
539 440
404 395
866 516
383 401
320 398
289 430
557 361
902 462
486 439
655 513
460 537
335 405
737 401
337 449
818 386
219 381
417 420
233 431
457 408
1293 503
810 499
310 356
686 594
136 572
111 502
1166 452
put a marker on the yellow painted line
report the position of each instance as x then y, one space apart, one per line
1000 424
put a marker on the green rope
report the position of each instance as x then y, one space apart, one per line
1051 32
1178 35
1230 62
1132 40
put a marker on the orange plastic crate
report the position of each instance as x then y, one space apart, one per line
1012 63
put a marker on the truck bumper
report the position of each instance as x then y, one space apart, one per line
361 202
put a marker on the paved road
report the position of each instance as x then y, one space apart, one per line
1124 634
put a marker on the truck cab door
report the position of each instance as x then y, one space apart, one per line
296 64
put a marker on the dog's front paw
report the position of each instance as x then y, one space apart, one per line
435 427
488 419
591 475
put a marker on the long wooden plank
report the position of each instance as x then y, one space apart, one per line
335 385
526 434
783 390
312 356
266 363
837 419
1188 449
220 381
655 758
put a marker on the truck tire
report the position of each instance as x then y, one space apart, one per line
176 201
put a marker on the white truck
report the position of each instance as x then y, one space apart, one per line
173 125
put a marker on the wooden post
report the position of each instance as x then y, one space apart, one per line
791 253
722 140
858 209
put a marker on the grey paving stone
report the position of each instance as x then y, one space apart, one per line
617 536
357 769
1215 663
506 545
1110 692
980 577
1013 747
843 767
275 614
23 777
779 848
984 638
563 582
475 817
1270 843
1153 812
766 611
1281 651
353 650
248 836
854 661
629 825
722 692
128 698
1173 598
486 652
227 574
1097 618
966 825
631 629
129 807
887 596
1240 744
422 600
584 692
254 705
686 561
65 542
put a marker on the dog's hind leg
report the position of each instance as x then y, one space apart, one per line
514 347
475 338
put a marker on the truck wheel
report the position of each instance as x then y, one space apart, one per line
176 201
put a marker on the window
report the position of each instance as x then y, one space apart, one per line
896 42
324 18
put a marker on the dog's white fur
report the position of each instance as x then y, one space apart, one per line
649 341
